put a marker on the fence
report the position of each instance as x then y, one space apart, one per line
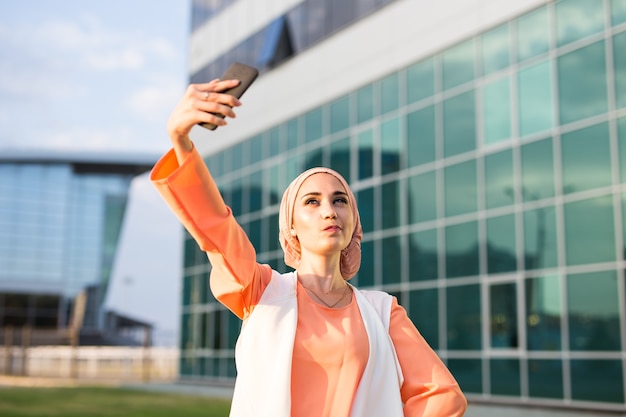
92 362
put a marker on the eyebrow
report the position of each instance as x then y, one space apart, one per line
317 194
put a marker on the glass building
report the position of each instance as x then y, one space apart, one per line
486 145
60 219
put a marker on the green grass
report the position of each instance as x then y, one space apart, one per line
105 402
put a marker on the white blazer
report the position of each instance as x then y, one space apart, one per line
263 355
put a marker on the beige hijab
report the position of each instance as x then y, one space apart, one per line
350 255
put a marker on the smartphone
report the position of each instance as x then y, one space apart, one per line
237 71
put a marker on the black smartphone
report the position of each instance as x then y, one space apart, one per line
237 71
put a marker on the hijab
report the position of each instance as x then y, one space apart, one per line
350 255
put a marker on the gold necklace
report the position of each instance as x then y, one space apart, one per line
343 295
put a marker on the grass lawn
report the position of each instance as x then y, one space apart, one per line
104 402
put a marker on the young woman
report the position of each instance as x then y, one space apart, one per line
311 344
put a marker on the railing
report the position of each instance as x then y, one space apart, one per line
56 354
92 362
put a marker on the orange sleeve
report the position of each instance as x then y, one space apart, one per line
429 389
237 280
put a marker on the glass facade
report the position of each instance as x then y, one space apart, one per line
59 229
491 181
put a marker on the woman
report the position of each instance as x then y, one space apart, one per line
311 344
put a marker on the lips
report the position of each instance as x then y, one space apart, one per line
333 228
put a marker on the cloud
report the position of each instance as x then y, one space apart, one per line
86 82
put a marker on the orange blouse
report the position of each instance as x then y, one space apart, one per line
331 346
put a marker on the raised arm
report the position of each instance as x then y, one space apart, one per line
185 183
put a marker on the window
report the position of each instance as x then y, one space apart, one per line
537 170
423 255
460 188
535 98
463 317
462 250
422 197
533 34
593 310
495 49
421 137
459 124
576 19
497 111
589 231
458 64
501 246
582 83
499 186
586 159
540 241
543 313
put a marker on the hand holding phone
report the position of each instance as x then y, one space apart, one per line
237 71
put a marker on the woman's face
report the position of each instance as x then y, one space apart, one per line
322 216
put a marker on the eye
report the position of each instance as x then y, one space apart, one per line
341 200
310 201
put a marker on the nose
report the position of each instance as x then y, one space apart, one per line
328 212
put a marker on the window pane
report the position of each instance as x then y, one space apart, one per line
543 309
537 170
460 188
505 377
366 271
340 114
501 247
459 124
535 98
582 83
389 93
390 146
586 158
392 260
593 310
422 197
424 305
618 12
391 206
462 250
499 179
495 49
423 255
420 128
463 317
545 378
458 64
420 81
365 103
292 133
597 380
589 231
576 19
365 141
340 156
619 64
533 34
497 111
365 200
468 373
540 242
503 316
621 137
313 125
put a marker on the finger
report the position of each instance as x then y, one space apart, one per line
217 85
213 107
214 97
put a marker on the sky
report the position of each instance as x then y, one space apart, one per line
103 76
